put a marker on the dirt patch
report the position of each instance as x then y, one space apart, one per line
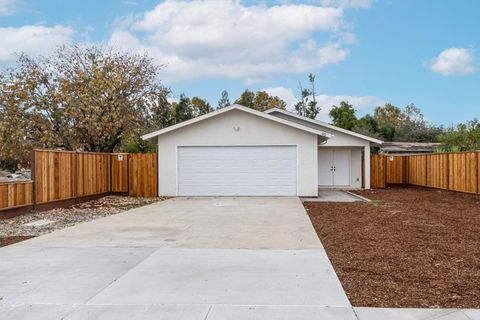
51 220
11 240
409 247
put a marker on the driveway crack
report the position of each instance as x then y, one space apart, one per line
208 313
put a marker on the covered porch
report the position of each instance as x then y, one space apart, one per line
344 167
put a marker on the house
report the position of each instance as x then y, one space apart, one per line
408 148
238 151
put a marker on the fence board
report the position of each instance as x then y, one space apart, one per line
53 175
463 172
119 172
16 194
93 174
142 170
396 169
437 173
377 171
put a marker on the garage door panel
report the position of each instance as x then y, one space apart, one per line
246 170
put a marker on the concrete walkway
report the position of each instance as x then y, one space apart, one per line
326 195
185 258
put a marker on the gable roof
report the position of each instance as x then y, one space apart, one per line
241 108
324 124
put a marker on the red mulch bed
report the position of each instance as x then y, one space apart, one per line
11 240
410 247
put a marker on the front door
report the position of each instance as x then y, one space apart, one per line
341 165
334 167
325 167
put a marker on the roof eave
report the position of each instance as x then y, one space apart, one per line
319 123
235 107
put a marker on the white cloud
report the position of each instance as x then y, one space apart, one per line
7 7
347 3
286 94
199 39
32 40
454 61
360 103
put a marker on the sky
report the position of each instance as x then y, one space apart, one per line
367 52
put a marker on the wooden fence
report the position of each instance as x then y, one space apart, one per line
377 172
16 194
459 171
65 177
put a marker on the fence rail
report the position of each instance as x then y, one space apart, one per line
67 177
459 171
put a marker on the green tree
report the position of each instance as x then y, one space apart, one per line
414 127
260 100
182 110
263 101
389 118
463 137
80 98
161 113
368 126
388 115
224 100
343 116
246 99
200 106
387 132
307 106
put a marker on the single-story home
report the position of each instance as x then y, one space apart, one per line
238 151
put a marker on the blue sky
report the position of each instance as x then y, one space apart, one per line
368 52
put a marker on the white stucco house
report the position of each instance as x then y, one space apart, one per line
238 151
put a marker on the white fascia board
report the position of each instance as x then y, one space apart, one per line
236 107
324 124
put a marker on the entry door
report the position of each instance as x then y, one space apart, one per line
334 167
237 171
341 167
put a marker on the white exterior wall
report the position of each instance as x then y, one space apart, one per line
253 130
343 140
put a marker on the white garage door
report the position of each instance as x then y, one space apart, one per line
237 171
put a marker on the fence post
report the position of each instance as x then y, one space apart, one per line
448 171
109 163
75 176
477 185
128 173
385 163
426 170
32 176
157 178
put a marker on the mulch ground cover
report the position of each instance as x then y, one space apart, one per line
11 240
409 247
14 230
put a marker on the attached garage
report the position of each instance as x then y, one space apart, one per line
237 151
237 171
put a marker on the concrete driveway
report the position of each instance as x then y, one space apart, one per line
185 258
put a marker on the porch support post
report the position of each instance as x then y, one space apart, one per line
366 163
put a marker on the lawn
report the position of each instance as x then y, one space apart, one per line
409 247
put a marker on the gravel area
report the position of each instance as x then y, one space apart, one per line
409 247
65 217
